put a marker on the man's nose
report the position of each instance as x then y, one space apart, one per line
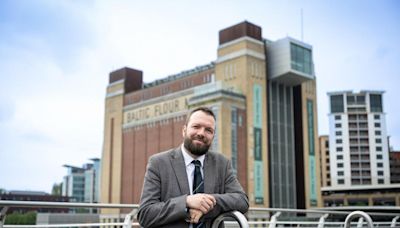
201 132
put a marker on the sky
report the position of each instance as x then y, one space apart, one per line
56 56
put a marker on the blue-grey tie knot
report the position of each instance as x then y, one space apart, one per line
196 163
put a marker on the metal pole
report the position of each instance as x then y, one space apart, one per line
358 214
238 216
274 219
394 221
322 220
3 216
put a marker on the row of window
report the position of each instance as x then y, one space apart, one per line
361 149
380 173
362 181
362 133
376 117
337 102
360 125
183 85
357 164
362 157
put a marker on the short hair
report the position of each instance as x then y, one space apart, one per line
206 110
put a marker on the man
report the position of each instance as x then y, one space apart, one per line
190 186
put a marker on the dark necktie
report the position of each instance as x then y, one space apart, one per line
198 185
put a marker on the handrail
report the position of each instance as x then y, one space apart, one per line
358 214
238 216
322 220
3 215
130 217
326 211
6 204
394 220
45 204
274 219
119 224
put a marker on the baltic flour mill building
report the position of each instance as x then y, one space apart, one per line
264 96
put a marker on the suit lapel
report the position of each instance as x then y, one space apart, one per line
178 164
210 173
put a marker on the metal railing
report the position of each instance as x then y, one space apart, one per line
265 217
128 221
326 217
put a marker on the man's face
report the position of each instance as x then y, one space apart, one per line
198 133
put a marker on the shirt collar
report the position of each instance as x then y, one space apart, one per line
188 159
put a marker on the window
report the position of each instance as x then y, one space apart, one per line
340 181
375 101
338 141
337 117
360 99
350 99
378 140
378 148
377 132
337 103
338 125
339 157
340 165
377 124
379 156
339 149
377 117
340 173
338 133
300 59
379 164
380 173
381 181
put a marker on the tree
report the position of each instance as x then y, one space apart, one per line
16 218
57 189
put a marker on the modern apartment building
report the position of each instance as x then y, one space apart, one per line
358 152
264 96
92 182
358 139
82 183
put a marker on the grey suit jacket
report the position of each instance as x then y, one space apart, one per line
163 200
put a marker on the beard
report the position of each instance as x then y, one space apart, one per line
197 150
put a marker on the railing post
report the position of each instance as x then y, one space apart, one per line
360 222
129 219
357 214
238 216
3 216
322 220
394 220
274 219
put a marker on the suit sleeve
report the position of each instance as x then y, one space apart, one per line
152 211
233 198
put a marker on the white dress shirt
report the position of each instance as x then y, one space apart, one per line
190 166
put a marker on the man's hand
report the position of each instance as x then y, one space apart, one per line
202 202
195 215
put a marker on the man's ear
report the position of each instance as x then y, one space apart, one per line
184 131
